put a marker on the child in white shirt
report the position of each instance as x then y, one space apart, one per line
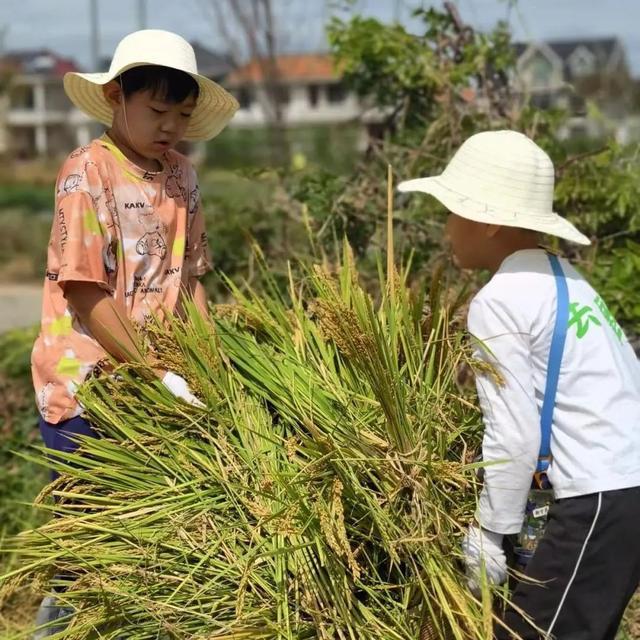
498 189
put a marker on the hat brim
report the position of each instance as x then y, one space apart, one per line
213 111
552 223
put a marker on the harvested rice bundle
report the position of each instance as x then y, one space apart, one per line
320 493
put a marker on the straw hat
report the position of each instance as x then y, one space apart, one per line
215 106
500 177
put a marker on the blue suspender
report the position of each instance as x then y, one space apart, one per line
555 359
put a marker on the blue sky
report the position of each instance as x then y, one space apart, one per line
63 25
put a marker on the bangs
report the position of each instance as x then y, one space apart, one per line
164 83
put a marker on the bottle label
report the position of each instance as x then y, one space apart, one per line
541 512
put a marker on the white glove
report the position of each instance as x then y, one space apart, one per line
484 548
180 389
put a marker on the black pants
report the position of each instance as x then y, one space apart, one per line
589 564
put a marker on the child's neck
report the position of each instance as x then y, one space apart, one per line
148 164
506 246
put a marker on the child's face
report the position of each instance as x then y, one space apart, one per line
152 125
469 242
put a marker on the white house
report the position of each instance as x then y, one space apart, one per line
567 74
38 118
310 91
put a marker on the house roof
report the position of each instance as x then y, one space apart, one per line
37 61
565 48
290 69
602 49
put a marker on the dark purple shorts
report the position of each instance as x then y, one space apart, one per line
59 437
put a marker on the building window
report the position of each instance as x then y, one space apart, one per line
56 98
43 63
314 95
22 97
582 62
336 93
540 71
244 97
283 95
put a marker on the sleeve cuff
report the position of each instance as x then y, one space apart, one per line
73 276
504 524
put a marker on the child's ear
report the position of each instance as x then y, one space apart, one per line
113 94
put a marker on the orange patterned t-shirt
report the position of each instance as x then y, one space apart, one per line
137 234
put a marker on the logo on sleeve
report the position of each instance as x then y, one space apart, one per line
583 317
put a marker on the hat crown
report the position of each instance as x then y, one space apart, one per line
154 46
502 178
504 169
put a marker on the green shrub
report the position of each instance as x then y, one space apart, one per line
20 481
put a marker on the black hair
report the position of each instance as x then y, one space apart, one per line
164 83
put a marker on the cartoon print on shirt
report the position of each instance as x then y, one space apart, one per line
153 242
78 152
194 197
89 182
42 398
71 183
110 201
173 186
80 181
111 257
113 221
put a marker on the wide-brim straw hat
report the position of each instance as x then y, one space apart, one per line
214 108
503 178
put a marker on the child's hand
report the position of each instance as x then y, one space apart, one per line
179 387
484 548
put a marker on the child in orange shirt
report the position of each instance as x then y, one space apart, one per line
128 237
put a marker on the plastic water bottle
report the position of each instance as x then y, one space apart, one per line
533 526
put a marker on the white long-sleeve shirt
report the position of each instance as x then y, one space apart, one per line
595 439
